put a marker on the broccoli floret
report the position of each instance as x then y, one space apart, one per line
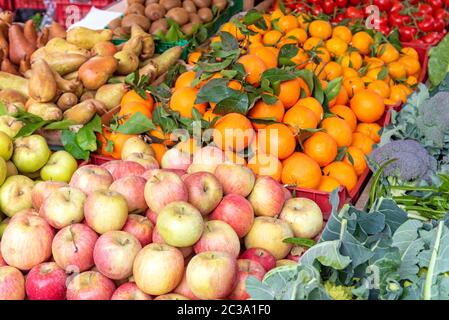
413 161
337 292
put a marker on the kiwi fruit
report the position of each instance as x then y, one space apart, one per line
202 3
194 18
178 15
154 11
220 4
169 4
205 14
138 19
136 8
159 25
189 5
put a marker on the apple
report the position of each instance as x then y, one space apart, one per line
91 178
90 285
304 217
176 159
114 254
183 288
30 153
129 291
236 211
15 194
285 262
3 224
145 160
73 247
10 125
105 210
151 215
288 195
63 207
6 146
269 233
180 224
246 268
164 187
3 170
60 167
205 191
171 296
267 197
132 188
46 281
158 269
26 241
11 169
2 262
136 145
207 159
121 168
235 178
218 236
42 190
157 238
12 284
140 227
151 172
262 256
212 275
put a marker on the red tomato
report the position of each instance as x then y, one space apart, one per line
353 13
435 4
384 29
342 3
384 5
316 10
424 9
430 38
354 2
407 33
396 6
328 6
438 25
427 24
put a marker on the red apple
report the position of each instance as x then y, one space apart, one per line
2 262
164 187
218 236
131 187
42 190
46 281
73 247
267 197
145 160
262 256
90 285
12 284
246 268
140 227
176 159
151 215
212 275
121 168
269 233
91 178
151 172
114 254
207 159
158 269
235 178
106 210
183 288
129 291
26 241
205 191
235 211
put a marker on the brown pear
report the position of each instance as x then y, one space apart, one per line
87 38
81 113
19 47
104 49
64 63
7 16
4 46
60 45
162 63
42 85
111 94
67 100
47 111
134 45
56 31
147 41
8 66
29 31
24 66
43 38
64 85
128 62
96 71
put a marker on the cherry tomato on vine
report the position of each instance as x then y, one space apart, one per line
396 6
353 13
438 25
435 4
316 10
384 29
407 33
424 9
339 18
427 24
384 5
354 2
342 3
440 14
328 6
431 38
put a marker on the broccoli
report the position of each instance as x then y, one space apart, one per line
413 162
337 292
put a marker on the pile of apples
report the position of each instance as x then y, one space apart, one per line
128 230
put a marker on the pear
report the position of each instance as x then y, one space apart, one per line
87 38
111 94
134 45
42 84
10 81
8 66
19 47
47 111
81 113
104 49
43 37
96 71
64 63
67 100
162 63
64 85
71 75
29 31
11 96
89 94
128 62
60 45
56 30
147 41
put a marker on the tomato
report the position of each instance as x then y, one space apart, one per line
316 10
328 6
435 4
430 38
438 25
353 13
407 33
440 14
339 18
342 3
396 6
424 9
427 24
384 5
384 29
354 2
398 20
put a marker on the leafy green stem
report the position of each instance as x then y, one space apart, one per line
433 260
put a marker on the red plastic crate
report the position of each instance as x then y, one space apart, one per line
71 11
29 4
423 53
98 160
6 5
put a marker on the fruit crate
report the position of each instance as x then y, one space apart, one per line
98 160
71 11
423 53
7 5
29 4
322 198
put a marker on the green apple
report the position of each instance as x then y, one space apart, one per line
10 125
11 169
15 195
6 146
60 167
3 171
3 226
30 153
